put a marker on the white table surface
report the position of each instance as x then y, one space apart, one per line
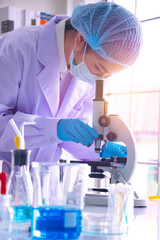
146 225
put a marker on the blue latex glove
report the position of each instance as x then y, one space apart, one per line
76 131
113 149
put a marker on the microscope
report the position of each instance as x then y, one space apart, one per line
111 128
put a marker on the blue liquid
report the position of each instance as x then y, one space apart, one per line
56 223
22 213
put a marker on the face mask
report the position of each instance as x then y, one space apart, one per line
81 70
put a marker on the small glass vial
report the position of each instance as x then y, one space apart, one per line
6 216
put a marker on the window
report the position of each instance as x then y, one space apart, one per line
135 95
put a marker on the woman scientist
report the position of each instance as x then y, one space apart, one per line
47 75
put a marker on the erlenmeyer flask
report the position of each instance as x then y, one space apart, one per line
20 185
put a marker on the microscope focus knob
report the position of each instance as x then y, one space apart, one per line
111 136
104 121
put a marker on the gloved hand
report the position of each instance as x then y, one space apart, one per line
76 131
113 149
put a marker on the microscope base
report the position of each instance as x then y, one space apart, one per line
102 200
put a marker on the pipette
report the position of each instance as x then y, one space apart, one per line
19 138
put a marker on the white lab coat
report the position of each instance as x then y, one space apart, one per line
30 91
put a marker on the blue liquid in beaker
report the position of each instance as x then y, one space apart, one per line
56 223
22 213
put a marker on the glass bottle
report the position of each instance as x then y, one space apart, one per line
20 185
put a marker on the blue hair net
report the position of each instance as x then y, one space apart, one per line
111 31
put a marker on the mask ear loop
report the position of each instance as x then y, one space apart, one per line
84 53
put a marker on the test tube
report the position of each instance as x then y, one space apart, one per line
1 162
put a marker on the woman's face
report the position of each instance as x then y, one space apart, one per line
100 66
96 64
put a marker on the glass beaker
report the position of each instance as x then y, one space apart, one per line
121 208
58 198
20 185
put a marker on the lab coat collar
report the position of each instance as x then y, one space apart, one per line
49 82
47 50
60 32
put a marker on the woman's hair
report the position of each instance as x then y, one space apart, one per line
68 25
112 31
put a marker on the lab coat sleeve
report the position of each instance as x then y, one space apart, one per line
43 133
80 152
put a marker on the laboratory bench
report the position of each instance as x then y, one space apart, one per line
146 225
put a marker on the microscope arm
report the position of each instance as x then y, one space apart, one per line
120 132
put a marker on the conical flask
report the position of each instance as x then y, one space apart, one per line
20 185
